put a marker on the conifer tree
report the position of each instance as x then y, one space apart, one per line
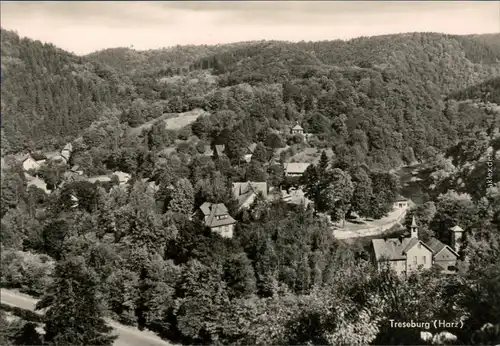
73 315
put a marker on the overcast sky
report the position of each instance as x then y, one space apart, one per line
83 27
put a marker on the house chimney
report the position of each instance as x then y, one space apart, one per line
456 237
413 229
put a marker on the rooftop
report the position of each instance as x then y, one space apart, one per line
296 167
212 210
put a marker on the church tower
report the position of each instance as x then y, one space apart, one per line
413 229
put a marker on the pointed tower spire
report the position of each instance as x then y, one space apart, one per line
414 228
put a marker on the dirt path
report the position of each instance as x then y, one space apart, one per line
378 228
127 336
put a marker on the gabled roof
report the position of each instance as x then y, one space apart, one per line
208 151
243 191
242 188
296 167
219 149
37 156
437 246
457 228
122 176
394 249
297 127
75 168
251 147
68 147
212 210
101 178
400 198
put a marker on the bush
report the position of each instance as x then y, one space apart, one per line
27 271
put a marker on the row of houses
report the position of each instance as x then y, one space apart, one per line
35 160
406 254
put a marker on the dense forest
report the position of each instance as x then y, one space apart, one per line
135 253
384 98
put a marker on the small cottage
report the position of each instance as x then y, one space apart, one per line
400 202
297 130
219 150
123 177
76 170
66 152
295 169
246 192
217 218
34 161
249 152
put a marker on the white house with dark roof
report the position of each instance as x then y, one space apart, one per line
406 254
217 218
249 152
123 177
295 169
297 130
401 202
66 152
246 192
219 150
34 161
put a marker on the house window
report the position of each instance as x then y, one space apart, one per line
424 259
415 260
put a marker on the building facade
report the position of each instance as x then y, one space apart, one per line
405 255
217 218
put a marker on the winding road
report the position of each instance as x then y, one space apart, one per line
127 336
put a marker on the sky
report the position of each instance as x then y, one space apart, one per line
84 27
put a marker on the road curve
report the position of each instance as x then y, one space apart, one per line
127 336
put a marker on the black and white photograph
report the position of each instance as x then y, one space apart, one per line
263 173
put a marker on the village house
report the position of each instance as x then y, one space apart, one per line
208 151
249 152
34 161
123 177
66 152
99 178
295 169
400 202
246 192
297 130
76 170
219 150
404 255
217 218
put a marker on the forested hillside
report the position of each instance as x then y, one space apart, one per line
136 251
382 98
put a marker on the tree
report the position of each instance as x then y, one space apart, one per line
123 293
52 173
336 194
26 334
261 154
182 197
424 214
239 276
274 141
13 188
362 193
255 172
73 316
385 187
